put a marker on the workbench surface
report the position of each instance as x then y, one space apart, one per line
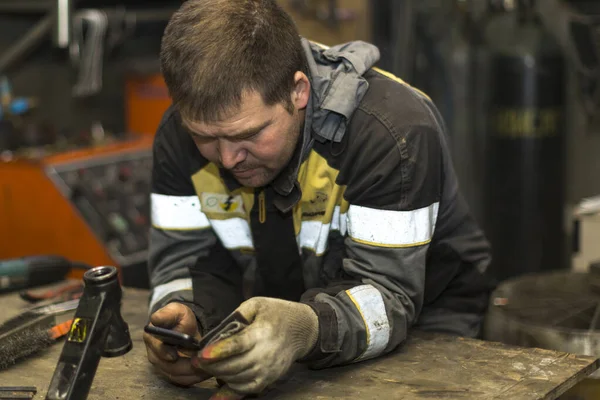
427 366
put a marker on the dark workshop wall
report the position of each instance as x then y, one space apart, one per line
50 79
47 75
355 26
583 152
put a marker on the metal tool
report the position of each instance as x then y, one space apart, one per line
87 50
30 338
69 291
17 392
25 272
36 314
98 329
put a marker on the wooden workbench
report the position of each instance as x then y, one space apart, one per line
426 367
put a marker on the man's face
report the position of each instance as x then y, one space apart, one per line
255 143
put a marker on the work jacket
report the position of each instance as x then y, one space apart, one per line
365 224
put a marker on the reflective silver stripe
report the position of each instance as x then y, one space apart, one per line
369 303
392 228
177 212
234 233
339 221
161 291
314 235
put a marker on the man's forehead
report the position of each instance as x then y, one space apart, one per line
251 113
233 126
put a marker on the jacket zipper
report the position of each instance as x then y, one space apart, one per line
262 208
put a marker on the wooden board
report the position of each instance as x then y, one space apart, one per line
427 366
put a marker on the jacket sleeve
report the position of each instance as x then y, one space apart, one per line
186 263
394 181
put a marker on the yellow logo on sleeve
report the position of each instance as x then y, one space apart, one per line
219 206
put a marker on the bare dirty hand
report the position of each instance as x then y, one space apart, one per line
175 365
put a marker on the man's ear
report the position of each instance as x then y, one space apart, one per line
301 91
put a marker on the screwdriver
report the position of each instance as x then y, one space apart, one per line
24 272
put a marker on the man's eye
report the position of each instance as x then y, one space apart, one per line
202 139
248 136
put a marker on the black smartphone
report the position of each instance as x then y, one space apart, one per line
231 325
174 338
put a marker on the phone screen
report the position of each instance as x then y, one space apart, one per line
171 337
231 325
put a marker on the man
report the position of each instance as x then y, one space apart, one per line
307 190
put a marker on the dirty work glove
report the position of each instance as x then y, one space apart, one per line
280 332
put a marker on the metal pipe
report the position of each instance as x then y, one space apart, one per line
63 24
27 42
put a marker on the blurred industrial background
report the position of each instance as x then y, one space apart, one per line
517 81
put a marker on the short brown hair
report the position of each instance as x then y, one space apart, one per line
214 50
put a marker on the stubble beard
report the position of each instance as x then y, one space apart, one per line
262 178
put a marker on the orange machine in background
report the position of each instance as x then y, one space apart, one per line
89 205
146 99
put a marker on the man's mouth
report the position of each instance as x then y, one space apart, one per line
244 173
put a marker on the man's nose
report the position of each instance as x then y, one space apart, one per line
230 154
